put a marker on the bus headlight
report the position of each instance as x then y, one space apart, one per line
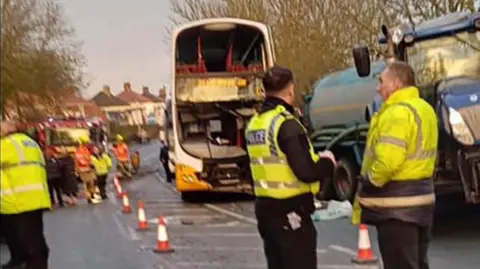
460 129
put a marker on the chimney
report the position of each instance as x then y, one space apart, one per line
127 87
145 90
106 90
162 93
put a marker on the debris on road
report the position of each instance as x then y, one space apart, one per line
333 210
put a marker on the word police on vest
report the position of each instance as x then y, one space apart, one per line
256 137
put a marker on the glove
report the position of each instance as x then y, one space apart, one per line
328 154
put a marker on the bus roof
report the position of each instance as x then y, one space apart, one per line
441 26
201 22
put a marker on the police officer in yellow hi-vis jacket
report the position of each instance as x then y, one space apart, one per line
24 197
397 193
287 174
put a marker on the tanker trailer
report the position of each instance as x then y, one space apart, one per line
445 55
337 112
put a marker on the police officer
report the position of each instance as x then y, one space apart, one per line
164 160
397 194
287 174
24 197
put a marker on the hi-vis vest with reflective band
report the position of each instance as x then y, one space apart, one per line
83 158
272 176
400 163
23 175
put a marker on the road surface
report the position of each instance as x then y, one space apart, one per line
220 232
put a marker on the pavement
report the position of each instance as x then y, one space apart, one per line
219 231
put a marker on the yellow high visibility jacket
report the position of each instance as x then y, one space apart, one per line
399 160
271 173
102 164
23 175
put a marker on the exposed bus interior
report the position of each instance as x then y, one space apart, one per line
214 131
220 47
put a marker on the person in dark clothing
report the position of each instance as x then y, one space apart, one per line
6 228
287 174
164 160
69 182
54 177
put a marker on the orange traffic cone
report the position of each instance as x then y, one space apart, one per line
163 245
126 208
142 219
365 253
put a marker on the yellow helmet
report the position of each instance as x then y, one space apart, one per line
119 137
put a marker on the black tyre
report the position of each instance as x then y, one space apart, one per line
345 180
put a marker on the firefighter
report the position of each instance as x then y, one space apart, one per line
102 163
287 174
397 193
24 198
85 170
123 157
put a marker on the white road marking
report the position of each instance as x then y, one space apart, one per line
112 198
119 225
133 235
228 248
264 265
342 249
231 214
219 264
199 210
218 234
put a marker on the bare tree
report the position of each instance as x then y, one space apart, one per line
40 56
312 37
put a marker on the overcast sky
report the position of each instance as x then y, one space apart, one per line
123 40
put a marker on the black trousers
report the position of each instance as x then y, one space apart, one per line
168 173
8 232
29 243
55 189
102 183
403 245
288 247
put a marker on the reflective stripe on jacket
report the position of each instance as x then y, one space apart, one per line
102 164
271 173
399 161
23 175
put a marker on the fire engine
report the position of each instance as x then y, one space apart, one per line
58 136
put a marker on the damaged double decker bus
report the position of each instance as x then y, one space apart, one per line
218 68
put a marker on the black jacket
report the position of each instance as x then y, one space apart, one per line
294 143
53 169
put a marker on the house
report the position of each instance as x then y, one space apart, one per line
145 106
116 110
74 105
155 110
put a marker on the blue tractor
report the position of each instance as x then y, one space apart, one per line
445 54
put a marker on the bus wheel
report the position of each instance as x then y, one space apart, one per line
345 181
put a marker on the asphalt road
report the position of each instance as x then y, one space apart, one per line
218 232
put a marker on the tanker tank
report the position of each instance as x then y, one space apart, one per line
340 99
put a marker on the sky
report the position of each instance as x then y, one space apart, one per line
123 40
